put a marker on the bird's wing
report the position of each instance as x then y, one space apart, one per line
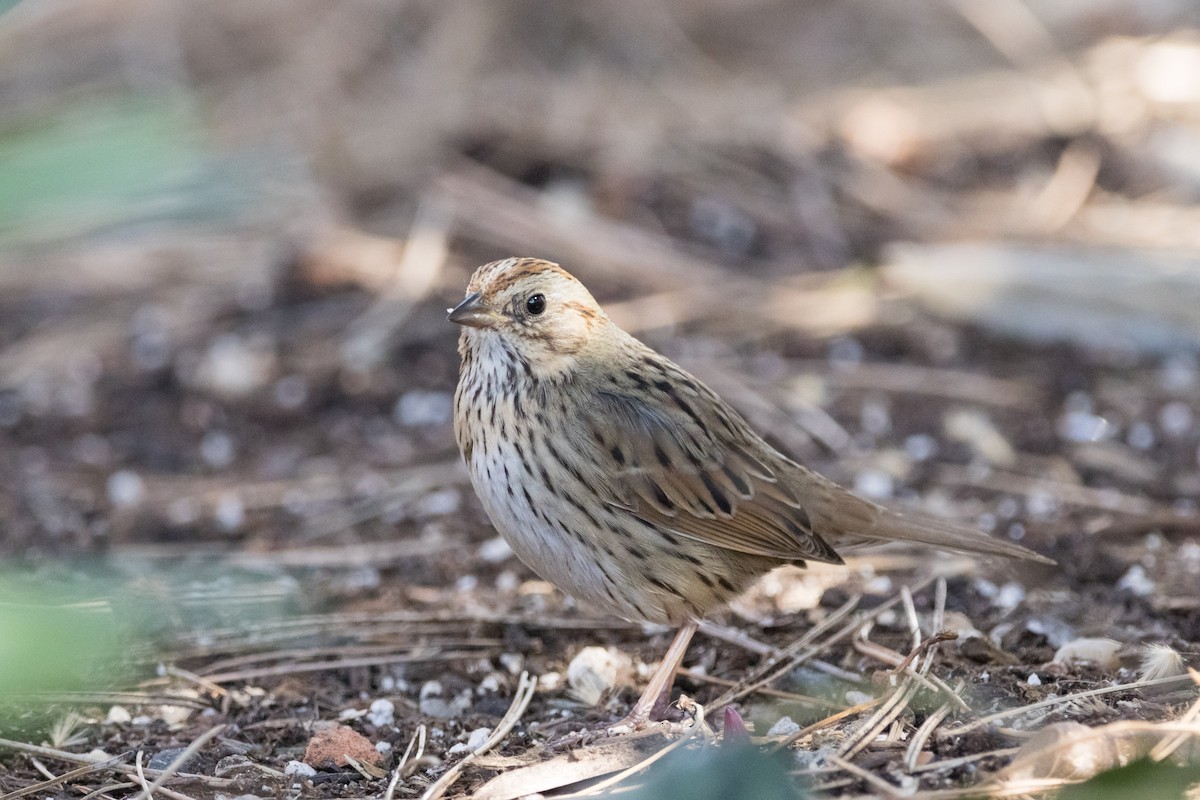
706 477
675 455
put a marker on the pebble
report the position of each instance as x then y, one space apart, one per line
1175 418
495 550
786 726
1034 680
126 489
1136 581
874 484
298 769
382 712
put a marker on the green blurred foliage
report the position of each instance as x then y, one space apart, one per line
88 166
1141 780
727 772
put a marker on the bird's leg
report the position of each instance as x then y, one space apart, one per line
660 682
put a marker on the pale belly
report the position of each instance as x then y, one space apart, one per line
611 563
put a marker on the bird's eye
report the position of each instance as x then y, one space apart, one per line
536 304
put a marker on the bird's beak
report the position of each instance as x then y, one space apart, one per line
471 312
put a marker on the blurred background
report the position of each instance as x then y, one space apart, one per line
945 251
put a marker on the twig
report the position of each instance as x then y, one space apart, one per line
147 791
644 763
926 730
418 741
1054 701
884 788
1167 746
418 655
525 689
178 761
832 718
66 776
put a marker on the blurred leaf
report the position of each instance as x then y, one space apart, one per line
105 162
720 773
1141 780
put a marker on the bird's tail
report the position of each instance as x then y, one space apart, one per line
925 529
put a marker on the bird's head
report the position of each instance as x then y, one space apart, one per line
533 309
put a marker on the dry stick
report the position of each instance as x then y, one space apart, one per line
525 689
418 736
644 763
178 762
816 726
926 730
418 655
66 776
312 654
1054 701
1167 746
111 787
891 708
885 788
931 682
951 763
766 672
149 795
764 675
125 769
899 699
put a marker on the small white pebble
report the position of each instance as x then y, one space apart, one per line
1010 595
431 689
1034 680
513 662
490 683
985 677
234 368
126 489
786 726
875 484
1080 426
298 769
507 581
217 449
230 513
495 550
440 503
118 715
382 712
477 737
1175 418
1136 581
383 747
1040 504
857 698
